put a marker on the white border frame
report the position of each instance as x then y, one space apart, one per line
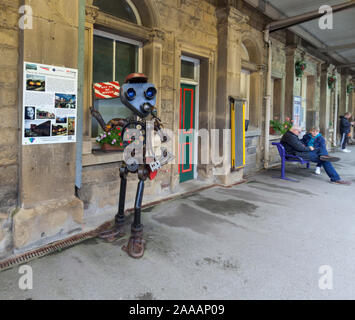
194 82
116 37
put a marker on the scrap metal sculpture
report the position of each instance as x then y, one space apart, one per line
140 97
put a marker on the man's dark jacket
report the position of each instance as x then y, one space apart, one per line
294 146
345 126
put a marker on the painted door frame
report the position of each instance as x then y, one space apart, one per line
194 82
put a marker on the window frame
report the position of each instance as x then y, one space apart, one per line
114 38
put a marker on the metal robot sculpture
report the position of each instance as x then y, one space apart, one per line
140 97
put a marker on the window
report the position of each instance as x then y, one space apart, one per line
114 58
245 90
123 9
187 70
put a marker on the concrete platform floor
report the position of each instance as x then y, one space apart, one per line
265 239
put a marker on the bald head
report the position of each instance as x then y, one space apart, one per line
296 130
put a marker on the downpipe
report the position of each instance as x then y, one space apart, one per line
335 112
268 101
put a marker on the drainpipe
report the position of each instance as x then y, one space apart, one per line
268 101
80 108
335 112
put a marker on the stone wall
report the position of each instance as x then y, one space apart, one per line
9 81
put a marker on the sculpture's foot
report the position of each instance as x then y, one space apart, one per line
136 245
112 234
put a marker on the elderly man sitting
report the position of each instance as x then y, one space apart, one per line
294 146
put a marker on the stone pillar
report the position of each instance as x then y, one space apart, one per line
153 56
342 93
91 15
9 45
230 22
49 210
325 103
290 79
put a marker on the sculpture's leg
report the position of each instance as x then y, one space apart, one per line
117 230
136 244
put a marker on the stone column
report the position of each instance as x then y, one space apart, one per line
9 137
342 92
230 23
91 15
153 55
290 79
325 103
49 210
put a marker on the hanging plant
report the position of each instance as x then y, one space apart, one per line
300 67
331 82
349 88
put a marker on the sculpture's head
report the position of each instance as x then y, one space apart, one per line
139 95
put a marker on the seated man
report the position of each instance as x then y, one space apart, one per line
315 139
294 146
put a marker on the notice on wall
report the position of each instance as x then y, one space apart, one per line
297 109
49 104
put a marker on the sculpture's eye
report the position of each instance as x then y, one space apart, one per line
130 94
150 93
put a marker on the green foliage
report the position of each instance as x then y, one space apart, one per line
281 127
300 67
331 82
112 137
349 88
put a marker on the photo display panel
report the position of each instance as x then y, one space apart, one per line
49 104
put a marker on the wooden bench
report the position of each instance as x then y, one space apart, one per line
288 158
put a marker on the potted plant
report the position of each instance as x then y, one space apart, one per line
331 82
111 140
280 127
300 67
349 88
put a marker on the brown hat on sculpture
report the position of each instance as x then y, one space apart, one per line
136 78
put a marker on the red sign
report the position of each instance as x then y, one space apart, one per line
107 90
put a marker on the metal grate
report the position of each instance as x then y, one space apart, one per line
54 247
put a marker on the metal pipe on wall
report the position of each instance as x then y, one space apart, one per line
268 100
336 105
80 107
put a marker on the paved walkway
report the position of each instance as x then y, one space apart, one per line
265 239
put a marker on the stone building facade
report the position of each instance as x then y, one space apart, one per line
217 47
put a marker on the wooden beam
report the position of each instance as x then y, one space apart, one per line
338 48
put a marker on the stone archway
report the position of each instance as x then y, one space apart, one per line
251 60
148 12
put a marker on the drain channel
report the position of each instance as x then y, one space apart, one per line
51 248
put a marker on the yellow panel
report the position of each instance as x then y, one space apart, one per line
233 133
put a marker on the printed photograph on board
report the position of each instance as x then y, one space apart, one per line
30 113
65 101
37 128
42 113
60 130
61 120
71 126
35 83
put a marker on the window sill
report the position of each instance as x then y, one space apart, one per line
100 157
273 137
253 132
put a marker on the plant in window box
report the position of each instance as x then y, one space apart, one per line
111 140
349 88
331 82
278 127
300 67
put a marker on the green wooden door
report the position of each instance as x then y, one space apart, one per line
186 137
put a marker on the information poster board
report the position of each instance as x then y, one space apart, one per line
297 110
49 104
